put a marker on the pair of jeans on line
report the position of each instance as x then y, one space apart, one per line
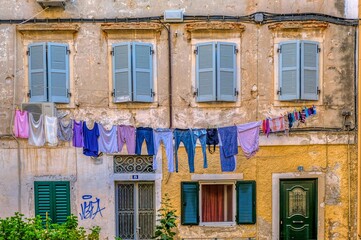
189 138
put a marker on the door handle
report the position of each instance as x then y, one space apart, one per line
297 221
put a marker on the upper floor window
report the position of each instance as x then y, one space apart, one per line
216 71
132 72
298 70
48 72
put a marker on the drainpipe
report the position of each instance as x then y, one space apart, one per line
358 128
169 75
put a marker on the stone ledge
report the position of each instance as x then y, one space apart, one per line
73 28
309 25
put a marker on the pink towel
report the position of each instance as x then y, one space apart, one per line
21 124
248 137
277 124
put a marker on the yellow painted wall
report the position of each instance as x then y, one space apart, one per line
328 159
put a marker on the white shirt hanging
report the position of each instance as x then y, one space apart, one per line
51 130
36 131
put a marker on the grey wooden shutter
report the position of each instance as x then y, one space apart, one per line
190 203
309 70
143 72
226 72
37 72
122 76
289 70
58 72
206 72
246 202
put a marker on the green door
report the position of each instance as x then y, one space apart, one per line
298 209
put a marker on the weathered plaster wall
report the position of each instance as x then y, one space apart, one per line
328 159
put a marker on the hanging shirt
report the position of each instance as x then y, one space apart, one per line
77 134
65 131
21 124
107 140
51 130
248 137
36 131
90 147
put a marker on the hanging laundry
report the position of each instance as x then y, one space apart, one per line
290 120
185 136
21 124
51 130
248 137
277 124
303 116
314 110
310 111
212 139
228 148
265 127
165 135
78 134
201 134
126 135
90 140
306 112
65 131
36 131
144 133
107 140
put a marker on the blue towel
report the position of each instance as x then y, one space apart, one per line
229 148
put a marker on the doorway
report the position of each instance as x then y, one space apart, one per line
135 211
298 209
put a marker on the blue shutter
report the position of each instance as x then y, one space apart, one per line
58 72
143 72
190 203
289 73
43 199
309 70
122 85
61 191
37 72
246 202
226 72
206 72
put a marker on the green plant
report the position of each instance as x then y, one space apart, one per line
19 228
167 220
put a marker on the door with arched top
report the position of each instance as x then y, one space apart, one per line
298 209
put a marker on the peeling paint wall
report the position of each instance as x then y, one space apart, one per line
324 150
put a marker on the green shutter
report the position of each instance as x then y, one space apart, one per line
226 72
206 72
122 85
289 70
52 198
61 201
37 72
58 72
190 203
43 199
143 72
309 70
246 202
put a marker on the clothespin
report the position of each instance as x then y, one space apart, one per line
16 107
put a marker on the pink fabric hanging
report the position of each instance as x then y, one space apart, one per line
248 137
277 124
21 124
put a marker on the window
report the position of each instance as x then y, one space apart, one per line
52 198
132 72
48 72
216 72
207 203
298 70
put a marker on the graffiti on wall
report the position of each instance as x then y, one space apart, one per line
90 208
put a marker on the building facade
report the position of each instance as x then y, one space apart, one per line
211 65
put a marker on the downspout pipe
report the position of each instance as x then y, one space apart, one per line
358 129
170 77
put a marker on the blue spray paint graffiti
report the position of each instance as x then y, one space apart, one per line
90 209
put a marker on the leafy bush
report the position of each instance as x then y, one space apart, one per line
19 228
167 220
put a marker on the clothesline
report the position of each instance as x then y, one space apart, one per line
98 139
